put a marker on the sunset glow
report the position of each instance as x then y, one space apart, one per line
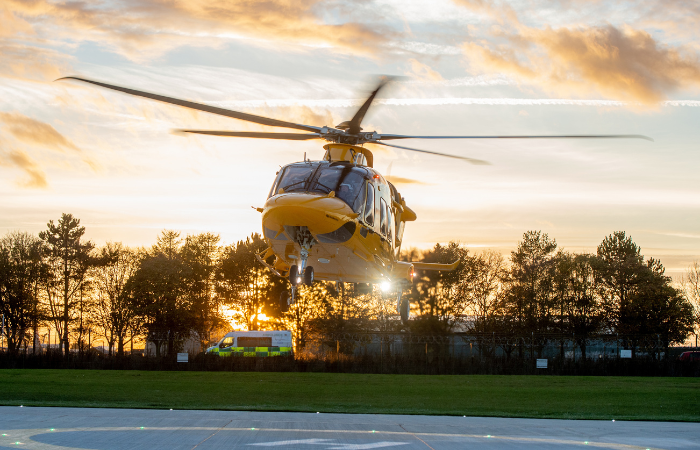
470 68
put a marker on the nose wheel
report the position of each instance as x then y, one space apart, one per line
296 277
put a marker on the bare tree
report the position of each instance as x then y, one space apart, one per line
114 312
691 288
21 271
481 286
310 303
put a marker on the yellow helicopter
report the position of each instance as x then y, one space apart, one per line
337 219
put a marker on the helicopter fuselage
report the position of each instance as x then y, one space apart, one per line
347 216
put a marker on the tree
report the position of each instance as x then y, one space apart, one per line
691 288
437 293
310 303
642 304
68 259
114 312
530 283
619 268
656 310
581 312
158 293
243 283
481 287
21 272
201 254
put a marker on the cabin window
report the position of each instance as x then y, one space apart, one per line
384 220
390 224
250 341
369 205
227 342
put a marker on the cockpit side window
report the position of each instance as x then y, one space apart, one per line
345 180
273 190
296 177
369 205
359 204
351 188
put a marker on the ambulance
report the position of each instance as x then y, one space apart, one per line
254 343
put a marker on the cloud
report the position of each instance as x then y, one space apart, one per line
147 28
20 159
21 129
32 131
501 12
624 64
11 25
423 71
31 63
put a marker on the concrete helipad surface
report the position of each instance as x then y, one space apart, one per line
111 429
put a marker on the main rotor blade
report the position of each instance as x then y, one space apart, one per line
386 137
360 114
470 160
254 134
201 107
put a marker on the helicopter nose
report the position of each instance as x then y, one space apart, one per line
320 214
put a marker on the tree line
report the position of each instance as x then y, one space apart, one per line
190 287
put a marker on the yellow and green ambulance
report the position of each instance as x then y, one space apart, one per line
254 343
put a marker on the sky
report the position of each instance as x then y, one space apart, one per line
466 67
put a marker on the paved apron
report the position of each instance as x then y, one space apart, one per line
112 429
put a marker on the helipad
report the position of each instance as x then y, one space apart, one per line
111 429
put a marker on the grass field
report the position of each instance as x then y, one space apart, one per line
620 398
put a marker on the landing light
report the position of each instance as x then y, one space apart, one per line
385 286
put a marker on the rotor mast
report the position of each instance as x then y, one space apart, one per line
350 153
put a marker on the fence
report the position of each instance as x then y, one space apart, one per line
403 353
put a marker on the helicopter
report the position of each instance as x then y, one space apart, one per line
335 219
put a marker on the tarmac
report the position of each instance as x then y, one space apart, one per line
112 429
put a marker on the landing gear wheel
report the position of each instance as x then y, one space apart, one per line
294 275
284 301
309 276
405 310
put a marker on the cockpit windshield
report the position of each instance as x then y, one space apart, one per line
345 180
295 177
